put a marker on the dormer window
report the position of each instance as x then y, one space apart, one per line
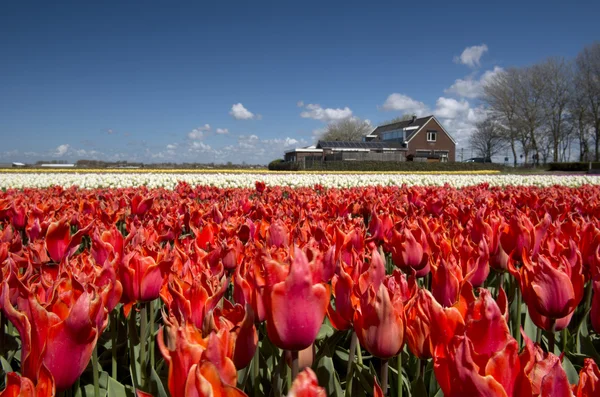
431 136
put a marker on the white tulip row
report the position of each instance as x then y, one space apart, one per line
232 180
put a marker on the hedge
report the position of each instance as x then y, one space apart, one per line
574 166
401 166
281 165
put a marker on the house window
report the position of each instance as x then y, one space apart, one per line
431 136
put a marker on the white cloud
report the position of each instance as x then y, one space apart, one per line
199 147
172 146
110 131
239 112
450 108
471 55
61 150
318 133
222 131
471 87
198 133
300 104
404 103
327 115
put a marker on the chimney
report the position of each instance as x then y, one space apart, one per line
414 117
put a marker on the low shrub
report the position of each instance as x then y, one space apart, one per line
407 166
281 165
574 166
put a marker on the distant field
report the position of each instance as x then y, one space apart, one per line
219 171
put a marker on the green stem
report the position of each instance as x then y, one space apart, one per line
351 352
518 318
295 365
588 297
359 353
383 377
143 341
132 327
538 336
399 361
113 337
499 286
2 334
96 374
256 371
152 341
563 338
551 337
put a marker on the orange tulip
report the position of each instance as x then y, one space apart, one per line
428 324
203 380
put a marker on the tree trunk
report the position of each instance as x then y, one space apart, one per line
514 151
555 156
597 140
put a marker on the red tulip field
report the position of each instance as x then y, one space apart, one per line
308 291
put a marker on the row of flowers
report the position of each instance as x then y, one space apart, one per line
386 290
245 180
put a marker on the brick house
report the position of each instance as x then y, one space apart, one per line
424 138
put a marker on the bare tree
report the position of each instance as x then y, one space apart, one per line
404 117
350 129
587 80
500 94
487 139
580 121
556 96
530 92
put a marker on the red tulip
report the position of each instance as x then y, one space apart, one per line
192 301
552 286
544 372
141 205
59 241
295 307
486 326
181 349
142 278
306 385
410 249
589 380
458 375
20 386
71 321
239 322
341 316
379 318
595 313
446 282
428 324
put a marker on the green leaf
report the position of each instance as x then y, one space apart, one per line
115 389
417 388
572 374
328 377
325 332
156 384
5 365
529 327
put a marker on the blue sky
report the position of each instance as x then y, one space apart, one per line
153 82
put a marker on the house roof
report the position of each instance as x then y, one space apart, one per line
358 145
417 123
